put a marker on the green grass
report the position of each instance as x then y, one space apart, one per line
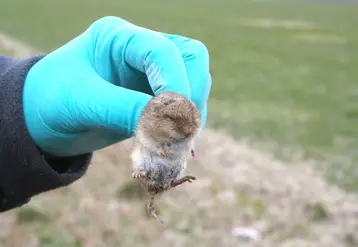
295 86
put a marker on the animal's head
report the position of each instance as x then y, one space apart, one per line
170 116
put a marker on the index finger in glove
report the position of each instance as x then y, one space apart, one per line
146 51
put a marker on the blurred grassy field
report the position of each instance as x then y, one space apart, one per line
284 74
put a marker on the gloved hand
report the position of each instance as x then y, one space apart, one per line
89 93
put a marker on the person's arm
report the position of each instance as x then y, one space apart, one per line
84 96
24 170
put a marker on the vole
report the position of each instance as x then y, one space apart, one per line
164 138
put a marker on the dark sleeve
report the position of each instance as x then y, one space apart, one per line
24 170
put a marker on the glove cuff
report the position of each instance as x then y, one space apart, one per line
24 170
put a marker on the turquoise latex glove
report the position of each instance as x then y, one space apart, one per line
89 93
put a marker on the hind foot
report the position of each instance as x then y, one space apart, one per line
182 180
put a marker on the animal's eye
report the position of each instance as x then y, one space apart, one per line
169 117
170 101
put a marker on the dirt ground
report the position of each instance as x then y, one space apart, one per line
236 186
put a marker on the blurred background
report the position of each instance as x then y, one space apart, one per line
277 164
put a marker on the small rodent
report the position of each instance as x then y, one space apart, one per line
163 140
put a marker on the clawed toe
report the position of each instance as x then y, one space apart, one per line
182 180
163 152
138 174
190 178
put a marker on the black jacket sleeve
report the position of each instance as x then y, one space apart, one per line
24 170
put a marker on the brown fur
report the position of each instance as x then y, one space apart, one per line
169 115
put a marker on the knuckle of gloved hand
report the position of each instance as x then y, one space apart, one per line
107 19
106 22
160 46
198 49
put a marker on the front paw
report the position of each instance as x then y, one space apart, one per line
163 152
138 174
